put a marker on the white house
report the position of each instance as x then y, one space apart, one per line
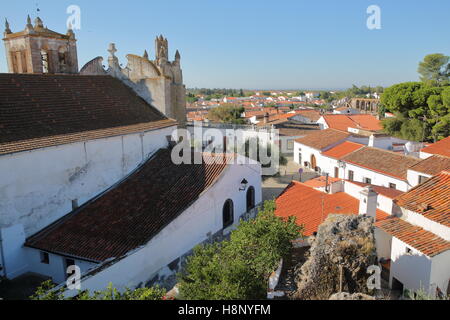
427 168
139 231
415 245
60 148
441 147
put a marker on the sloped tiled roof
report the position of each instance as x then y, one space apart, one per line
323 138
385 162
131 213
321 182
430 199
384 191
414 236
441 147
44 106
432 165
343 149
305 203
359 121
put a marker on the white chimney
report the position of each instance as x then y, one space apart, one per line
368 202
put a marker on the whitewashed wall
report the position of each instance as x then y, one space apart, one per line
440 271
377 178
413 270
37 187
192 227
383 203
427 224
413 177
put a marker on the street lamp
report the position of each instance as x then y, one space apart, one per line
244 184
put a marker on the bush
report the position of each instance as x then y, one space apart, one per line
239 268
47 291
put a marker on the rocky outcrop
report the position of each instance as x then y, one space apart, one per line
344 243
348 296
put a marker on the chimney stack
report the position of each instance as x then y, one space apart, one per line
266 118
368 202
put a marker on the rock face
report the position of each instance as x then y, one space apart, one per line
342 240
348 296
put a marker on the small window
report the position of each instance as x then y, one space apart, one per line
45 259
74 204
408 250
351 175
228 213
392 186
367 180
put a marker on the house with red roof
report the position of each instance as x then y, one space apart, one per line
441 148
355 123
414 244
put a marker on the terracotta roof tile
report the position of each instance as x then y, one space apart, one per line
384 191
385 162
131 213
342 150
305 203
37 106
323 138
432 165
441 147
359 121
414 236
321 182
430 199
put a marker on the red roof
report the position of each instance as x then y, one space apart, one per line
414 236
305 203
130 214
359 121
342 150
321 182
430 199
441 147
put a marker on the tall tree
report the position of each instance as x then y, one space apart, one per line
434 67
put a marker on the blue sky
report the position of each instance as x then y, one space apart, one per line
282 44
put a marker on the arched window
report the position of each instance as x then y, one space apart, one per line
228 213
250 198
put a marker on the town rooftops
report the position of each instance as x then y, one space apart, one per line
383 191
432 165
414 236
359 121
131 213
322 139
321 182
441 147
39 110
343 149
430 199
382 161
305 203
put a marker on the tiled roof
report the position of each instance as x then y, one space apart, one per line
342 150
385 162
305 203
432 165
414 236
441 147
359 121
312 115
321 182
430 199
384 191
323 138
37 106
131 213
294 129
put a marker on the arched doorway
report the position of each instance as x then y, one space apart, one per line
228 213
250 198
313 162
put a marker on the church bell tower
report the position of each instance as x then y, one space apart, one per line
37 49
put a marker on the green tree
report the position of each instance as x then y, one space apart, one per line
227 113
434 67
239 268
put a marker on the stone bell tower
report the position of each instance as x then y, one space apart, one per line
37 49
